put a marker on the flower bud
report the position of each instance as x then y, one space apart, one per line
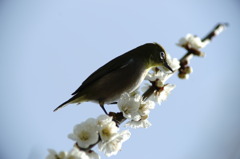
188 70
183 75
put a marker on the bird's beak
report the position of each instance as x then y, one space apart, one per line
167 66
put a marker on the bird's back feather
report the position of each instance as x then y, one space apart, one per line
111 66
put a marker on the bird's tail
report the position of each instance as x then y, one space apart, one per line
62 105
74 99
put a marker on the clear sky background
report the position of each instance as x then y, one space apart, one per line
48 47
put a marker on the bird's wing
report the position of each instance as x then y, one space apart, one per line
115 64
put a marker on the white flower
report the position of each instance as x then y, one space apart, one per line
158 77
138 124
165 92
145 107
85 134
153 76
161 76
129 106
108 130
192 42
174 63
112 146
103 120
106 127
136 109
144 111
93 155
75 153
54 155
160 95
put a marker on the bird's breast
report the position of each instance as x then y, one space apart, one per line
140 79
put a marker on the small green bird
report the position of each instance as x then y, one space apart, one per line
125 73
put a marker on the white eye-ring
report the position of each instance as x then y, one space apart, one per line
162 55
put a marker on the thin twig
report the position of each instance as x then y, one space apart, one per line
217 30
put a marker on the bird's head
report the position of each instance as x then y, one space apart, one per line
156 56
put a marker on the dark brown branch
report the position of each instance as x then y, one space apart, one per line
154 88
118 118
148 93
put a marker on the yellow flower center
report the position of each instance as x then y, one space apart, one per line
106 132
84 135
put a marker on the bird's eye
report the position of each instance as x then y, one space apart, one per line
162 55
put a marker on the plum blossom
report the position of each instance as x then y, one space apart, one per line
114 144
160 76
158 79
174 63
103 120
161 93
129 106
192 41
54 155
138 124
108 130
85 134
75 153
135 109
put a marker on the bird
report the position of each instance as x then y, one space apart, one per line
123 74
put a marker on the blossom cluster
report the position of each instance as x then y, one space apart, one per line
75 153
192 41
101 131
159 78
135 109
192 44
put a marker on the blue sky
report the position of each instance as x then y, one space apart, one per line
49 47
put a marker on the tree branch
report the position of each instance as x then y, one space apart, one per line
118 118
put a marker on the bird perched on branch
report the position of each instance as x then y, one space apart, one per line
125 73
